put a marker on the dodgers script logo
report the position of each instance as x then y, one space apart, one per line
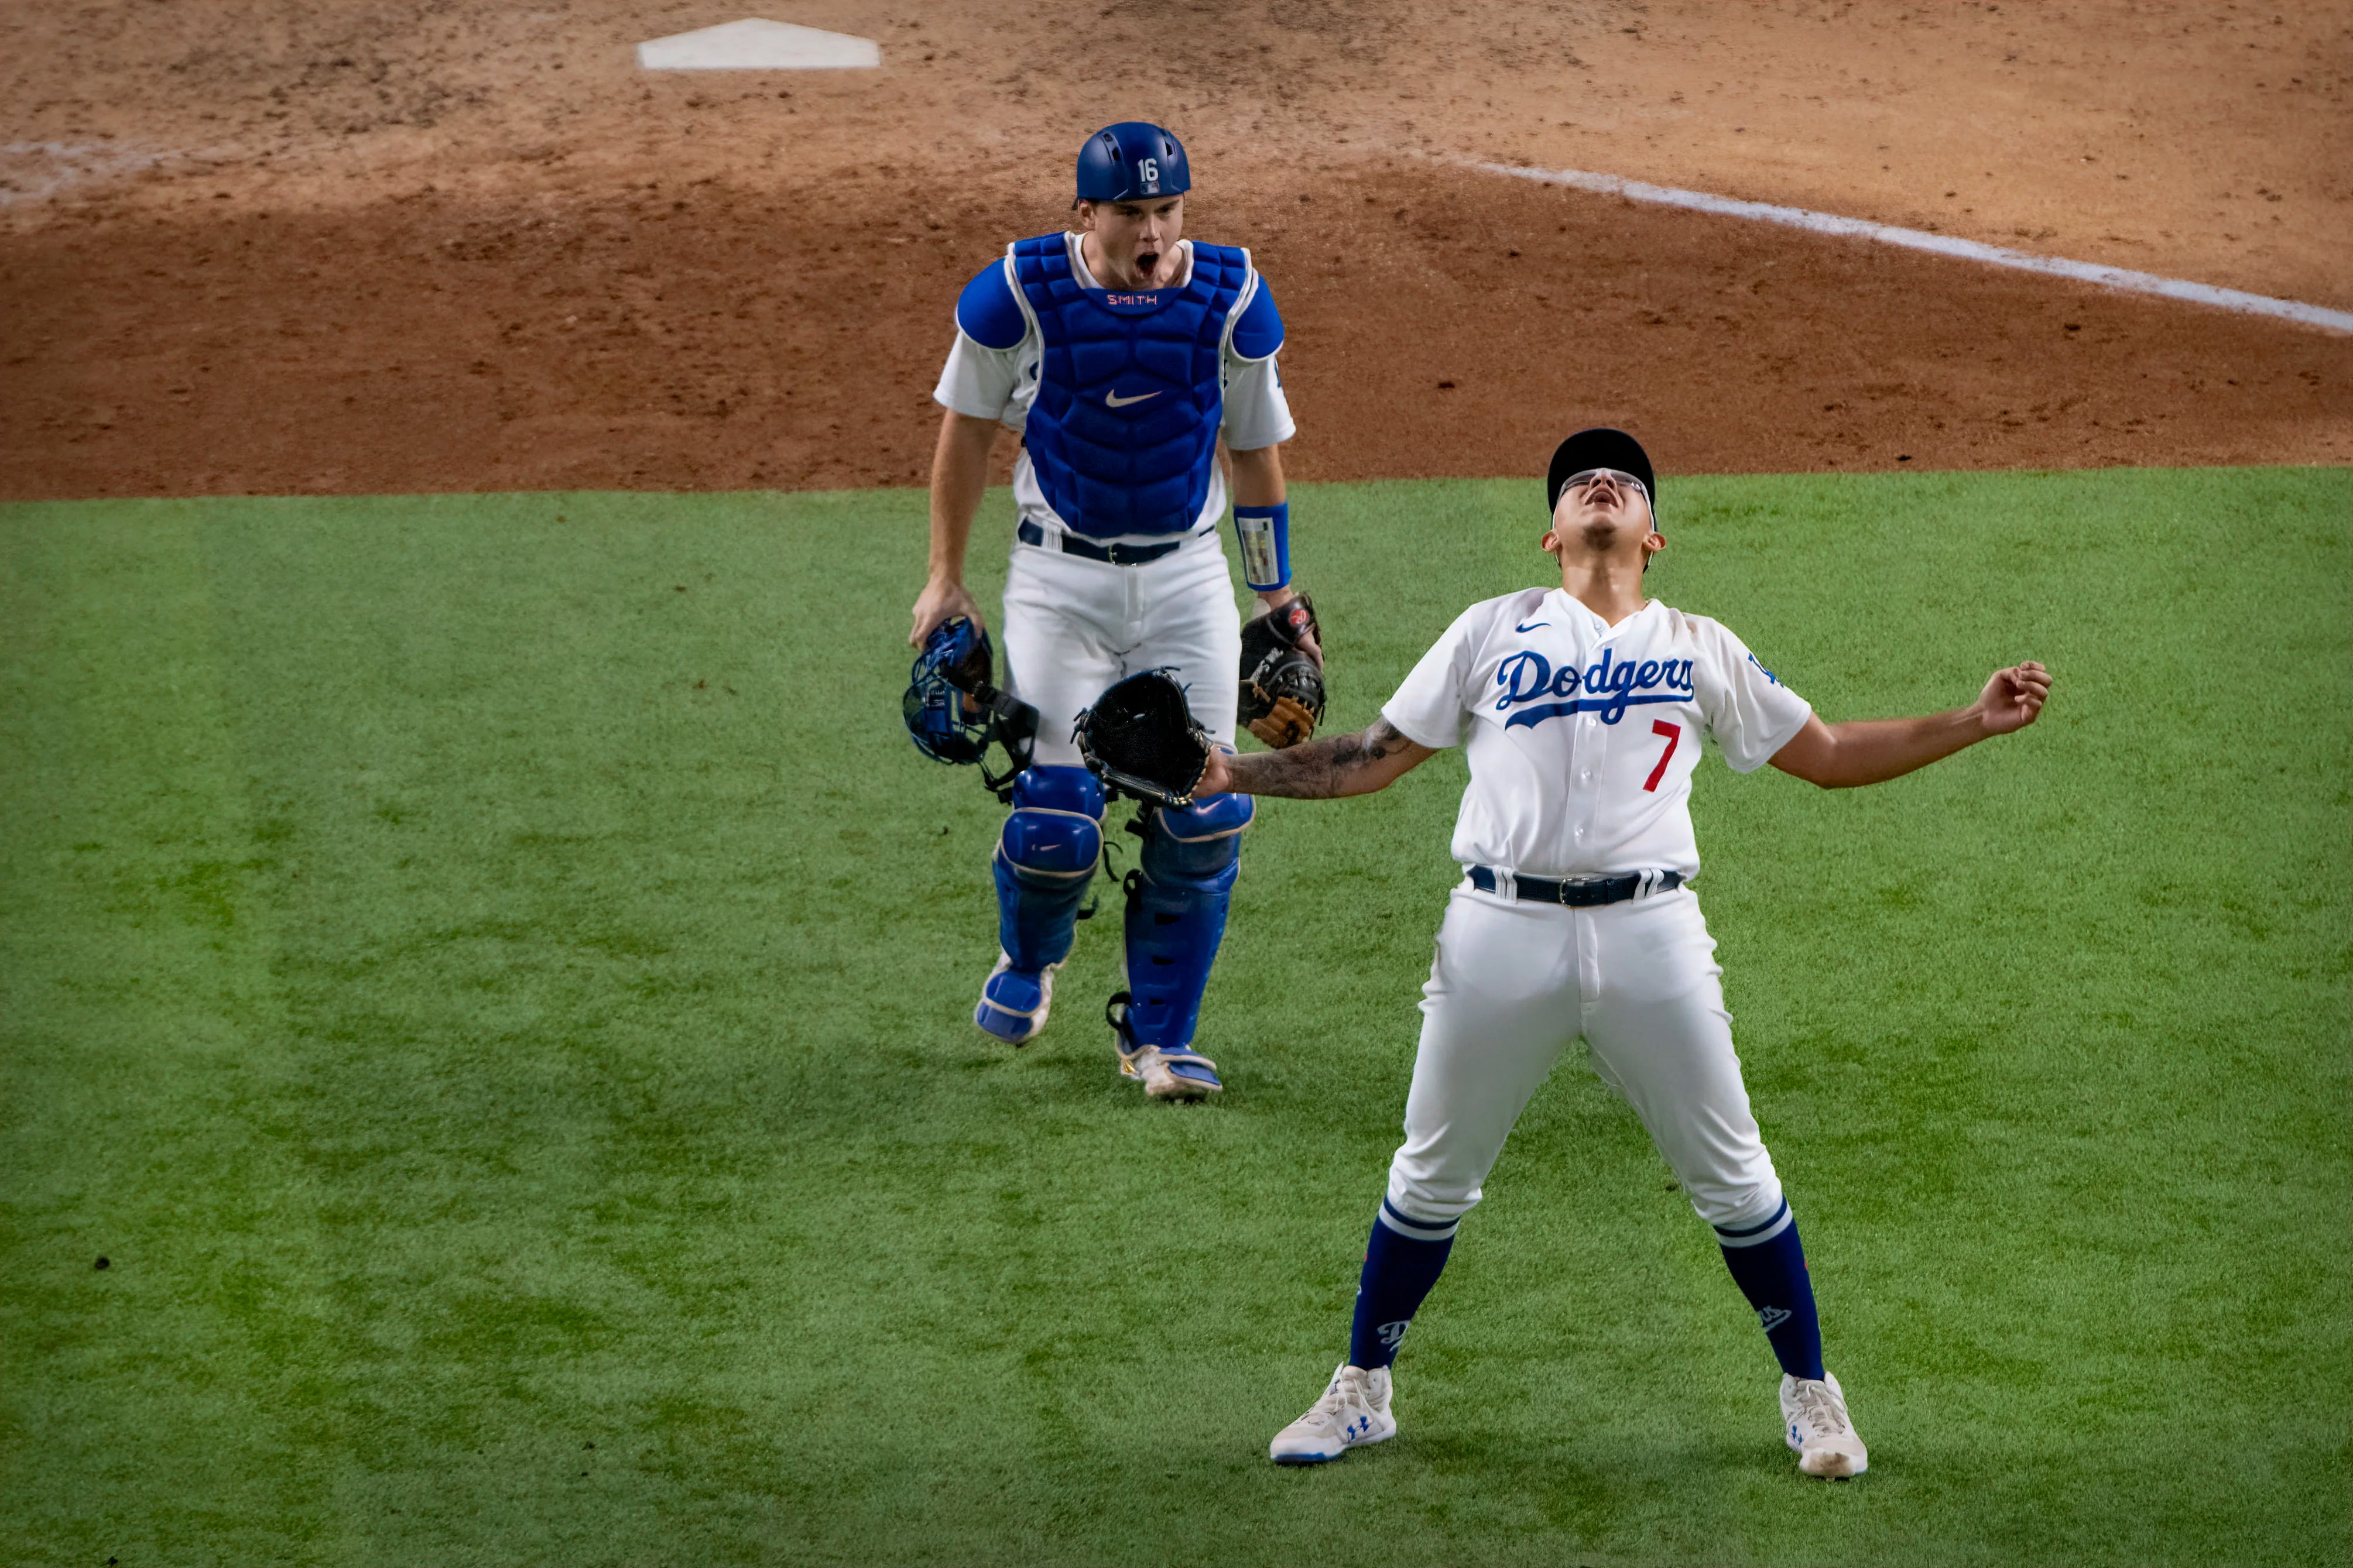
1610 688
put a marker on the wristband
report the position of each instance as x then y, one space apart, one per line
1264 532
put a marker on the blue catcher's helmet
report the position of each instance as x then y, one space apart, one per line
1131 161
954 709
955 661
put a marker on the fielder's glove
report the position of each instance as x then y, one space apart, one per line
1282 688
1140 737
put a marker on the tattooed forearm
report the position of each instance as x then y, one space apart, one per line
1320 770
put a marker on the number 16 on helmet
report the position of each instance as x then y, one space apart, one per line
1132 161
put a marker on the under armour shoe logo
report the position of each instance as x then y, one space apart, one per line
1391 1334
1772 1317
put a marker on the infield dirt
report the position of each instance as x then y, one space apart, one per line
334 247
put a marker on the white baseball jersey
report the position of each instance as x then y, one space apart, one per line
1582 741
1001 383
1583 735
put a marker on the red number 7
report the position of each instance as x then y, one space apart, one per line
1673 732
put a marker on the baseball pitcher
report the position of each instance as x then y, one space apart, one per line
1582 708
1122 353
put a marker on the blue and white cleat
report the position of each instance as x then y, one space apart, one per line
1171 1075
1014 1002
1815 1423
1354 1411
1181 1073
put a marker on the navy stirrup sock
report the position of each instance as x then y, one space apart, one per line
1772 1274
1398 1272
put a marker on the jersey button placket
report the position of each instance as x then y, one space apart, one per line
1587 798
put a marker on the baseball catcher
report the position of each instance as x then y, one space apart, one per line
1138 364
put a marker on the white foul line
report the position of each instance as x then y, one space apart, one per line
1942 244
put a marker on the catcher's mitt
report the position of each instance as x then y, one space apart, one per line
1140 737
1282 688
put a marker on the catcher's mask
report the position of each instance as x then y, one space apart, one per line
953 711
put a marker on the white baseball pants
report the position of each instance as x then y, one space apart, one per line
1073 626
1513 984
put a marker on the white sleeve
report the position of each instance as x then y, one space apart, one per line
1430 704
1749 712
978 381
1257 413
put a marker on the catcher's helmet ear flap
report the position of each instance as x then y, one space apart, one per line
1130 161
1601 448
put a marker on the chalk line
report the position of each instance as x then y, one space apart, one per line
2120 278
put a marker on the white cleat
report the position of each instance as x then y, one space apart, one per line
1354 1411
1814 1418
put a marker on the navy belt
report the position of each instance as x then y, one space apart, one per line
1117 555
1583 893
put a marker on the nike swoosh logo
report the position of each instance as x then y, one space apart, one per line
1532 625
1114 400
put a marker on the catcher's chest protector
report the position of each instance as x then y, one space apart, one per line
1124 434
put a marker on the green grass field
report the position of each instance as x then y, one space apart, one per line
492 977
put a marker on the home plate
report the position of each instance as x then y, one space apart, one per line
754 45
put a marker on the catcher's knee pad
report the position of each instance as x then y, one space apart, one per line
1044 860
1200 843
1176 914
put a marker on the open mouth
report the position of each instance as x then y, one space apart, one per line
1147 264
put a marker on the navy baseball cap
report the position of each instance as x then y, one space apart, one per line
1132 161
1601 448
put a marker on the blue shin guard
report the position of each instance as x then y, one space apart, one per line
1044 862
1177 902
